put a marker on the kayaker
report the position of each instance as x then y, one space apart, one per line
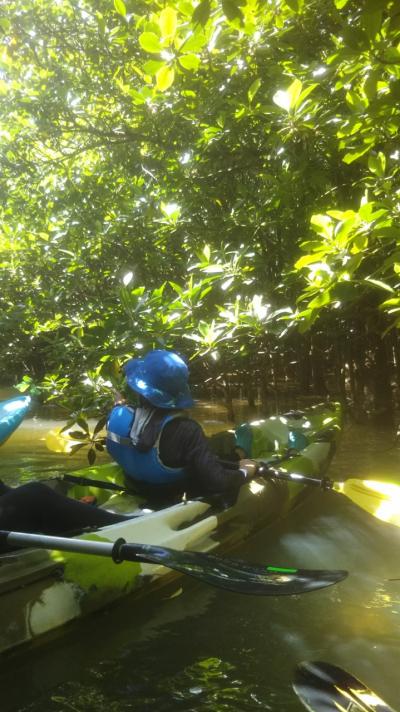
162 451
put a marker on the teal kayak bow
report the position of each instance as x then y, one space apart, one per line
12 413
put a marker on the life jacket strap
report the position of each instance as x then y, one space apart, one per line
119 439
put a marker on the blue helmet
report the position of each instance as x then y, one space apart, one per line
161 377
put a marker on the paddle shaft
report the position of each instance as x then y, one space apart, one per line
90 482
113 486
265 470
77 546
118 551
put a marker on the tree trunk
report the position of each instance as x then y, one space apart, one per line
318 366
228 400
304 365
382 387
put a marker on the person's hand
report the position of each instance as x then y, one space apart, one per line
250 467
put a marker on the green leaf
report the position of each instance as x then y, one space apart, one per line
309 259
360 243
225 285
294 92
120 7
341 3
394 302
304 94
138 97
202 13
165 77
150 42
194 41
320 300
189 61
213 269
78 435
345 227
371 22
5 24
232 10
253 89
100 424
82 422
77 447
381 285
322 224
337 214
356 101
377 164
293 5
354 156
152 66
371 85
168 21
287 99
176 287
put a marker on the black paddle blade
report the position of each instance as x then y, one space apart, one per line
326 688
233 574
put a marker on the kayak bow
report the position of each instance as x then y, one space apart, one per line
12 413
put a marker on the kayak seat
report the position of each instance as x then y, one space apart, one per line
261 439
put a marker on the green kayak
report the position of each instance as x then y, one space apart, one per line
42 590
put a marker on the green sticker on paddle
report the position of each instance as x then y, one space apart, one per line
281 570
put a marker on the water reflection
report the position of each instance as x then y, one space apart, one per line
204 649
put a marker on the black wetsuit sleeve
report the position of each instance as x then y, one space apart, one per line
183 444
34 507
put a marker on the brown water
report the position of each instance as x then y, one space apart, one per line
206 650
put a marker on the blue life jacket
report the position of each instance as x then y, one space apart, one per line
140 466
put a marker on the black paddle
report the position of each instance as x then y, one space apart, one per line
323 687
113 486
230 574
269 472
91 482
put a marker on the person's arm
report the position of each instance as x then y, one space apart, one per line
185 445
